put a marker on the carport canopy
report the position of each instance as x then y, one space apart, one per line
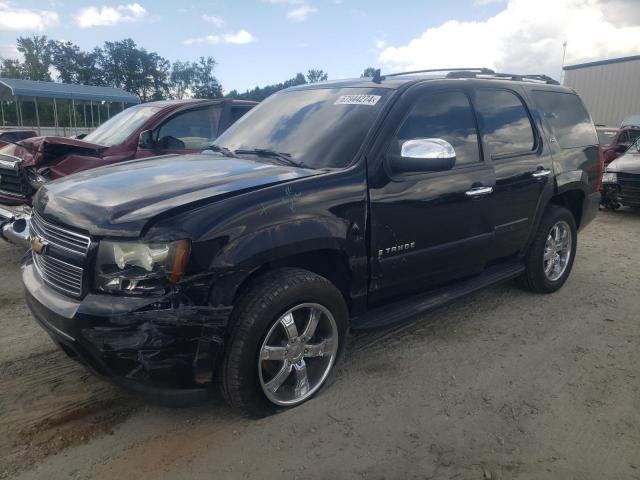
18 90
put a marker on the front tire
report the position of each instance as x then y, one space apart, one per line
289 333
551 255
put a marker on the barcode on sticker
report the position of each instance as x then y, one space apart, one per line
357 100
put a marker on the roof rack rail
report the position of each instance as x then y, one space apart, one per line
481 70
502 76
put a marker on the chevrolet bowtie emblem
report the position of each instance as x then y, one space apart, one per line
38 245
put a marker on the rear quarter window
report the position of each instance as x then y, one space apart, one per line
567 117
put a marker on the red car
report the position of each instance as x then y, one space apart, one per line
145 130
615 141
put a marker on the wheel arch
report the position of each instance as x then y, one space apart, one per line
331 264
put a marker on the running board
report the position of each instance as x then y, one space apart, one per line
410 307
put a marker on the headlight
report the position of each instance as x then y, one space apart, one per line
610 177
136 267
37 179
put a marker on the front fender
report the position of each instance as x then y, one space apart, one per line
275 242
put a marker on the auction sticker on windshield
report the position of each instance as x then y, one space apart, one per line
357 100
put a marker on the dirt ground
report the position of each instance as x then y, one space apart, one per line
505 384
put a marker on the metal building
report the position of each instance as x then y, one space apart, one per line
609 88
59 108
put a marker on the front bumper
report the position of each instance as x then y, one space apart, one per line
167 352
14 224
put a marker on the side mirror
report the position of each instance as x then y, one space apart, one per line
145 140
424 155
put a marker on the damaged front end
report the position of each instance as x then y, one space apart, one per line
164 347
24 168
29 164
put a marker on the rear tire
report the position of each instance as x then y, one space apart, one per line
548 263
273 318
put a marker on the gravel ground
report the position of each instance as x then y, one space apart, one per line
504 384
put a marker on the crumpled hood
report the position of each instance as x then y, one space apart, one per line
38 150
120 199
628 163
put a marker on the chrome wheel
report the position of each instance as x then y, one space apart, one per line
557 251
297 354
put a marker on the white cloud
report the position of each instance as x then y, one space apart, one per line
241 37
302 13
108 16
217 21
380 44
17 18
522 38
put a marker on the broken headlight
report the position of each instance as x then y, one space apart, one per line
37 178
610 177
135 267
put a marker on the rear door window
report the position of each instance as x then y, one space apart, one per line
505 122
567 117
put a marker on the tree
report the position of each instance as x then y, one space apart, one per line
135 70
37 57
258 94
314 76
369 72
195 79
181 78
10 68
74 65
205 84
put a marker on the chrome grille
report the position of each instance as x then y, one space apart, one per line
58 274
61 262
12 179
60 237
629 188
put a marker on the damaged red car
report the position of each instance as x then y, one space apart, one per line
146 130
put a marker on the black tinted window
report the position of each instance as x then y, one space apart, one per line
237 113
505 122
195 129
569 121
448 116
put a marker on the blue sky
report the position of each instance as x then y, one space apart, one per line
257 42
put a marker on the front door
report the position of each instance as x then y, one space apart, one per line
429 228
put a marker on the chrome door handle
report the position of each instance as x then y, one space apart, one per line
479 191
541 173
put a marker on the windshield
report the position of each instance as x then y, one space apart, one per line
318 128
118 128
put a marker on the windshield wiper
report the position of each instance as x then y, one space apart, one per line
223 150
265 152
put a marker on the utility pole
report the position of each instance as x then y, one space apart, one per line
564 55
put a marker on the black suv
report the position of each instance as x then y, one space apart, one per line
345 204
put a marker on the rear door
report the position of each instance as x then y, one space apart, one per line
522 166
